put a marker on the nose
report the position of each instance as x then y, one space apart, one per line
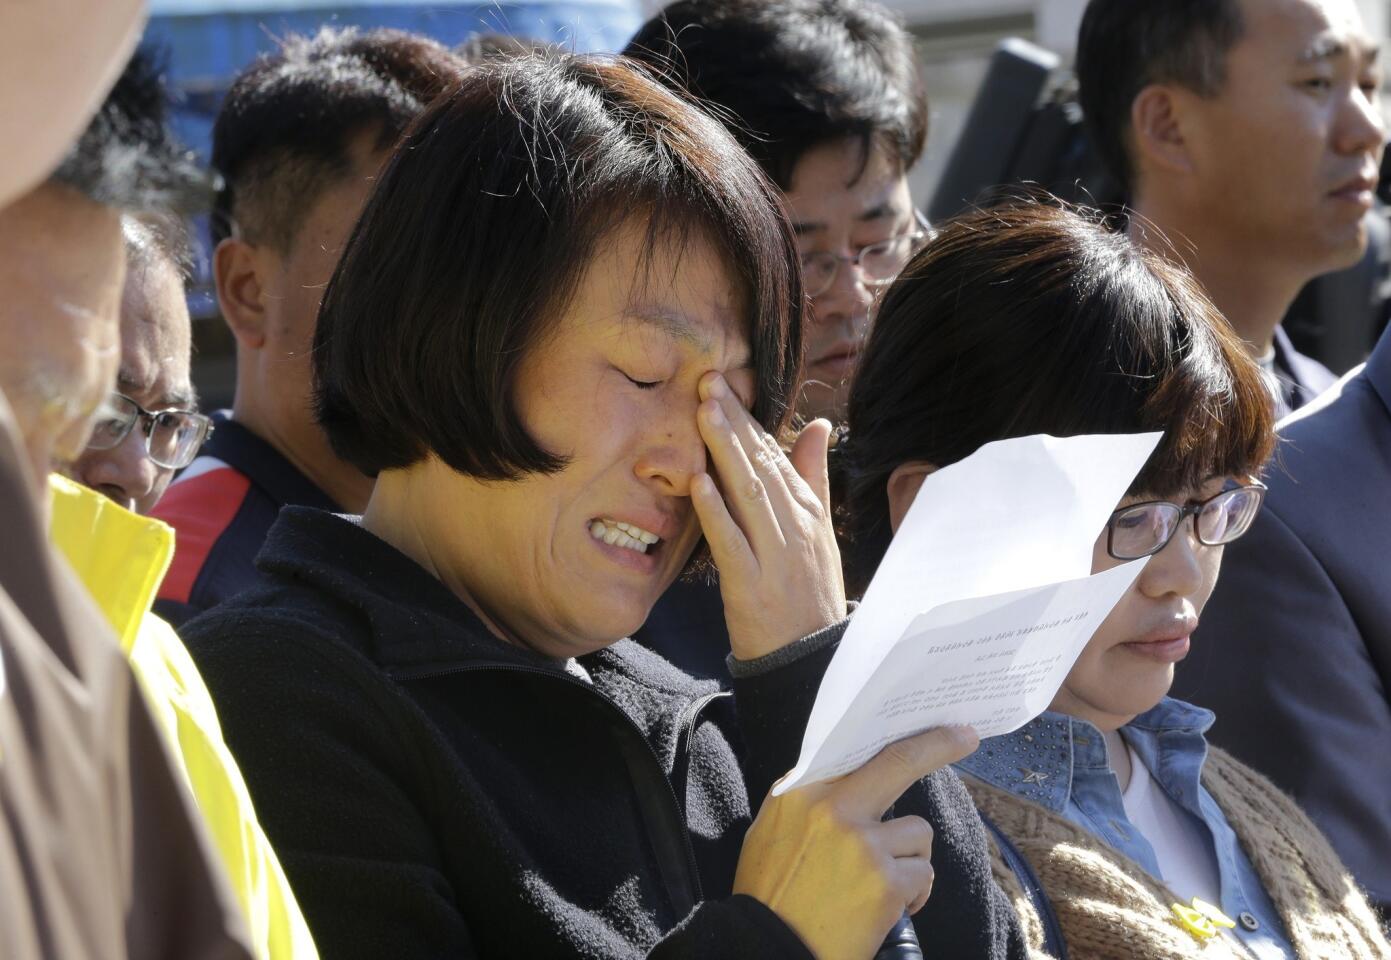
673 452
125 473
1175 570
847 299
1361 128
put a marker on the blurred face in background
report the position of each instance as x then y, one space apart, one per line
841 201
271 300
1287 154
156 342
62 266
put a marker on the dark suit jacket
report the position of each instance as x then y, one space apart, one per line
1302 378
1294 651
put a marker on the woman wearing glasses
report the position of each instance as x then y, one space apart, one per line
1145 842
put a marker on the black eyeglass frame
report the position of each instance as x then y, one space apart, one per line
146 419
1185 511
921 233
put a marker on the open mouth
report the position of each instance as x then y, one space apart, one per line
617 533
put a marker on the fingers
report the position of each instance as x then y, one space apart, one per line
729 548
906 837
743 486
873 788
917 876
908 840
786 490
808 458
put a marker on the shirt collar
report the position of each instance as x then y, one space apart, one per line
1037 762
247 453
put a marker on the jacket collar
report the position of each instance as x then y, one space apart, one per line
415 624
1038 761
266 467
1378 368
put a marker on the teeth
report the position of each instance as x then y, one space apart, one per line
620 534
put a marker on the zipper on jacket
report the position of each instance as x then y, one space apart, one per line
694 894
685 743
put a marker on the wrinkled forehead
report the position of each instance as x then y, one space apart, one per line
156 336
678 280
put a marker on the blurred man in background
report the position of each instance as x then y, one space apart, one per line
149 427
828 97
100 852
299 141
1247 134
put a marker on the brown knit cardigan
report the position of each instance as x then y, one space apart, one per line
1109 908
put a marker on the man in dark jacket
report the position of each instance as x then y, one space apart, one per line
1294 654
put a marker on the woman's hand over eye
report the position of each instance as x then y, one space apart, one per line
770 533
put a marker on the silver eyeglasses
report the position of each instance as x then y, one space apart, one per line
879 263
172 437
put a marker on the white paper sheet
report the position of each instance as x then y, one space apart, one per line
983 601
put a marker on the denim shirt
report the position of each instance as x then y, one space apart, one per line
1060 763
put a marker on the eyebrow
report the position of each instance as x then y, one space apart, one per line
1331 47
173 398
882 209
680 327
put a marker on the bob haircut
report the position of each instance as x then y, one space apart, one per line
482 226
1032 317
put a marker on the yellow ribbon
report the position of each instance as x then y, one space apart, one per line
1202 919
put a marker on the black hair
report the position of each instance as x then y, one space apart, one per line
1030 318
127 157
482 46
790 75
1124 46
481 227
284 130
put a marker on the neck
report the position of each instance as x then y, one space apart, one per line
1119 756
310 454
399 512
1252 291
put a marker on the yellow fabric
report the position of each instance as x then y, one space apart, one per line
121 558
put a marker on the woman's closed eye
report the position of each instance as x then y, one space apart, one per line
641 384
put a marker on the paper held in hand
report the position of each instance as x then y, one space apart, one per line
982 603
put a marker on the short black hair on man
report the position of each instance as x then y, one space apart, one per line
790 75
481 228
1124 46
127 157
284 130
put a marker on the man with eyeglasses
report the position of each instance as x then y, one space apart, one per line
149 427
827 96
829 99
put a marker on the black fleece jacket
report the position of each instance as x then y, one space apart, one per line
434 792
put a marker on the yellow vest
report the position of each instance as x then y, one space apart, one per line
121 558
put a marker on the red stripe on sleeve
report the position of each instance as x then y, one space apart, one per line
200 510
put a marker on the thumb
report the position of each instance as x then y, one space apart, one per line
875 787
808 457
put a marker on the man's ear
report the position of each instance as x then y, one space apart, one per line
241 290
903 487
1157 129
